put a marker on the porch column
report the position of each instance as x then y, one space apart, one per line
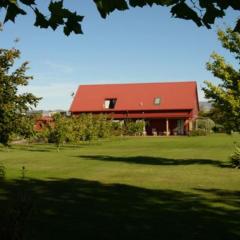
144 129
167 127
190 125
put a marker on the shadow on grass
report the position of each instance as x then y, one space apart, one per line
80 209
154 160
223 196
50 147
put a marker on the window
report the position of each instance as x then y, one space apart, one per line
157 101
110 103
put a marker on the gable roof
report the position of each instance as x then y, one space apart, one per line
136 96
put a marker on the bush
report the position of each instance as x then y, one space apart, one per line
235 157
199 132
42 136
58 133
133 128
117 128
102 126
86 127
219 128
205 124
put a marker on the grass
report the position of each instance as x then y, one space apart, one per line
127 188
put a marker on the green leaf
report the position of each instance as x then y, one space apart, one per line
73 25
28 2
212 12
57 14
105 7
12 11
41 20
182 10
237 27
235 4
142 3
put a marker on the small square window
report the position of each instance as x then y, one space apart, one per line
110 103
157 101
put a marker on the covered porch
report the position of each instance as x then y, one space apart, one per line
167 127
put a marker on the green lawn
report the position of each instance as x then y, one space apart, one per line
125 188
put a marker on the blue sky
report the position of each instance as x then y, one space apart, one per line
140 45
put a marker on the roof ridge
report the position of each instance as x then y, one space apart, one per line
138 83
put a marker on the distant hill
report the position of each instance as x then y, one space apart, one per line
205 106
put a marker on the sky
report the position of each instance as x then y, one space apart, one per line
139 45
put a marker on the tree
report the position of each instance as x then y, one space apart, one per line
59 130
217 116
202 12
26 127
12 104
226 95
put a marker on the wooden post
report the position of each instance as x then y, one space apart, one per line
144 129
167 127
190 125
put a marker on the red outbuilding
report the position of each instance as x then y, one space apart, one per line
168 108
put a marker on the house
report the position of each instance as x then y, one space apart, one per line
168 107
42 121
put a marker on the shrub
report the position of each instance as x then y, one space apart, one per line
102 126
199 132
117 128
59 132
85 127
219 128
205 124
42 136
235 157
26 129
133 128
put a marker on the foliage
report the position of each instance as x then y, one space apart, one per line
58 132
103 126
87 127
12 104
205 124
42 136
202 12
198 132
217 116
134 128
84 128
117 128
226 95
235 157
26 127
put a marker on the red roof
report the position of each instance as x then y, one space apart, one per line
136 97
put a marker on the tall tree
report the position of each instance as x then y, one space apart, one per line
12 104
202 12
226 95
